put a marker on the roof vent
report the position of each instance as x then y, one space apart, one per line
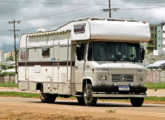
41 30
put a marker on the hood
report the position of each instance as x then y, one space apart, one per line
117 65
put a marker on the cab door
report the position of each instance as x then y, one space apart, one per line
80 65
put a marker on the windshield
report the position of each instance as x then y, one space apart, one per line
114 51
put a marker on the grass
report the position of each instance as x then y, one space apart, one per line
8 84
148 85
35 95
19 94
111 111
155 85
155 99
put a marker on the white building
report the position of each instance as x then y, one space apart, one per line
163 35
2 58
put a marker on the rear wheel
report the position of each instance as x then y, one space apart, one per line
137 102
88 97
47 98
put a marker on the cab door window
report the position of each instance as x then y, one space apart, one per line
80 51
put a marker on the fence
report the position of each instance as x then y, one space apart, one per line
7 79
155 76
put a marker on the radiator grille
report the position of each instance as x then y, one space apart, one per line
122 78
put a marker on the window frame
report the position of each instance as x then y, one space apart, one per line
79 28
82 52
24 54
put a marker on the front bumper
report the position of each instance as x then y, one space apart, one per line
118 96
115 89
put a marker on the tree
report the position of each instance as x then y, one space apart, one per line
11 58
3 66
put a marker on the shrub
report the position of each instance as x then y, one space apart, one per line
7 74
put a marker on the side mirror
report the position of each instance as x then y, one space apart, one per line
142 53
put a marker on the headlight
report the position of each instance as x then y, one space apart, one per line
140 78
103 77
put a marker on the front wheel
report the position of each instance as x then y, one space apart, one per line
80 100
137 102
47 98
88 97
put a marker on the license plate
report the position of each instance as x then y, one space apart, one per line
123 88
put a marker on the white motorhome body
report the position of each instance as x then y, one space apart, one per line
88 58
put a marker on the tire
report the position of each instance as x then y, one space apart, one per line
47 98
88 97
80 100
137 102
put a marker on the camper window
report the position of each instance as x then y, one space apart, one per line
80 28
24 54
80 50
45 51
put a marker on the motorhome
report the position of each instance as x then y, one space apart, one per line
88 58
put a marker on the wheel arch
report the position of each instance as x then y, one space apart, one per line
39 86
86 80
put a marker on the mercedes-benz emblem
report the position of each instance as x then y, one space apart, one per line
123 78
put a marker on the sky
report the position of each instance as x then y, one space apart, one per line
51 14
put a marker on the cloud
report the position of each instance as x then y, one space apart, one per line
142 2
136 9
9 39
6 42
65 11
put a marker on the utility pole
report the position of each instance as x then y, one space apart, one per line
109 8
14 22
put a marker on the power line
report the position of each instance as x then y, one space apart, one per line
153 7
50 3
138 5
58 23
25 20
115 9
143 8
156 7
3 22
68 11
73 10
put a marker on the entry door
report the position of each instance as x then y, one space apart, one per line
56 62
64 69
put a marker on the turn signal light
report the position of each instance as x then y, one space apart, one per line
93 70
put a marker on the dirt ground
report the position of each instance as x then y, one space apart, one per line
13 108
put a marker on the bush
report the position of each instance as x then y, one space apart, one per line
3 67
8 84
9 67
10 58
7 74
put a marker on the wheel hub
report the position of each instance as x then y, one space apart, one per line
88 94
